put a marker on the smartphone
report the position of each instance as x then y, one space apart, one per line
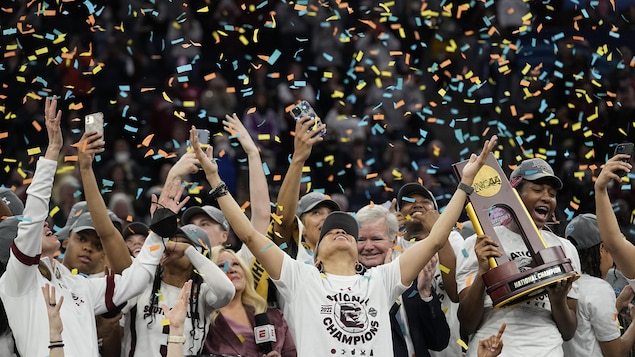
624 148
303 109
203 137
94 122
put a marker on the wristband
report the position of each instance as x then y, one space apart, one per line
220 190
465 188
56 345
176 339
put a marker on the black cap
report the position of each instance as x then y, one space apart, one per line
338 220
410 189
135 228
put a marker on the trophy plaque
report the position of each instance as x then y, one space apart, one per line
495 202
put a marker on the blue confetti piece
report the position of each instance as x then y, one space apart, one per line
184 68
464 252
106 182
226 266
274 56
265 168
283 246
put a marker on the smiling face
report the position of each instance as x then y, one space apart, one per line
84 252
416 204
373 243
134 243
234 270
312 221
50 243
337 240
540 201
217 235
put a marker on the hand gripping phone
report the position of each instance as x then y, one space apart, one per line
94 122
303 109
624 148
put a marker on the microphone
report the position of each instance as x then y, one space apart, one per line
264 333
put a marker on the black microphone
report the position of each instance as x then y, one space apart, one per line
264 333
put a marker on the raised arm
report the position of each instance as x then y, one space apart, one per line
258 188
413 259
621 249
263 249
22 267
306 135
114 245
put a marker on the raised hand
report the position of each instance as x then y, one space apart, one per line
476 162
206 159
235 127
170 197
53 309
52 119
176 315
187 164
492 346
393 209
609 170
424 281
89 145
306 135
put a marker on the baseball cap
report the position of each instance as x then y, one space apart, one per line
211 211
534 170
583 231
312 200
413 188
76 210
12 201
83 222
338 220
8 232
194 233
135 228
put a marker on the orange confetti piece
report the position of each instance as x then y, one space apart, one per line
210 76
36 125
154 247
70 158
371 175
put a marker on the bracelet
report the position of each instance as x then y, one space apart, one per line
52 342
56 345
176 339
465 188
220 190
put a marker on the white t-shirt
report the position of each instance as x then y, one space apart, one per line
20 286
449 308
339 315
151 340
597 318
530 329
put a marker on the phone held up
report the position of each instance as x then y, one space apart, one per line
203 137
624 148
94 122
303 109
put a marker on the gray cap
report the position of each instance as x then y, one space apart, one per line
12 201
77 209
414 188
338 220
583 231
8 232
196 234
312 200
534 170
211 211
83 222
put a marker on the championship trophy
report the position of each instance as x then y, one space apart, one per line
495 202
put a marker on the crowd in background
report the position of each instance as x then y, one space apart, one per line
406 88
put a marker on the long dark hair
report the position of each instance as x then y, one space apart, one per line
195 315
590 261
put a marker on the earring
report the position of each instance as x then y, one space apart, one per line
320 267
359 268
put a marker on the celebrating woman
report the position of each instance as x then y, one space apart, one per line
338 308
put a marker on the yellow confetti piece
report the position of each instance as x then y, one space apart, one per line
166 97
34 151
74 271
241 338
54 211
444 269
165 322
203 9
41 51
461 343
263 137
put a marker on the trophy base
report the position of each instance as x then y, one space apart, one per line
510 289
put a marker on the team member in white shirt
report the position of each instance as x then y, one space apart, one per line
32 266
598 333
334 309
